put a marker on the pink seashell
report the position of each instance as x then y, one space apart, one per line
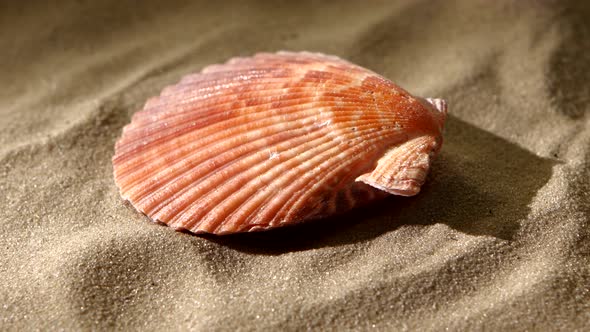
274 139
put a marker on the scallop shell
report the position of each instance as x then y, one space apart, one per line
274 139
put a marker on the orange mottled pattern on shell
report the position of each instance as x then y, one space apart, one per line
275 139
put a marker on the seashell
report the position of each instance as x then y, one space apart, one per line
274 139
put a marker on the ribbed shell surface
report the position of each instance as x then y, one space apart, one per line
270 140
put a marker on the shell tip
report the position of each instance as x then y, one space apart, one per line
439 104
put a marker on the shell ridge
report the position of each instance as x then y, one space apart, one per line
339 77
265 209
284 177
173 148
159 176
254 152
203 142
370 138
342 131
311 160
244 72
182 117
124 147
194 219
225 154
207 83
139 130
269 94
313 185
230 72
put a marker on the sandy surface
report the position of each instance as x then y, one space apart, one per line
499 238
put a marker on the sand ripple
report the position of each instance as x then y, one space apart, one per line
498 239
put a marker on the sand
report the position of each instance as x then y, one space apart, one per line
498 239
